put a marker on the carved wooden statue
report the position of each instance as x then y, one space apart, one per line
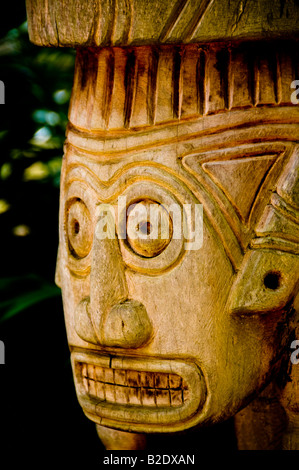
178 104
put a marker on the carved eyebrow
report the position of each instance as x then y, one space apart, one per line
197 173
168 179
109 189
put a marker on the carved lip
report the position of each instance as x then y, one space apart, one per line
141 394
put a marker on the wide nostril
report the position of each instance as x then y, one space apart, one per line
127 325
83 324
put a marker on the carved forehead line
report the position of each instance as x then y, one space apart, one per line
236 126
180 173
183 187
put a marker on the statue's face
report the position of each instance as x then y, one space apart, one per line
173 332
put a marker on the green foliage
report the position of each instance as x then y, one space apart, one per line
24 299
32 131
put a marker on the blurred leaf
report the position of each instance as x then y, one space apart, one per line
18 303
38 84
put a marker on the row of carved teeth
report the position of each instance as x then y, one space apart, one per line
134 387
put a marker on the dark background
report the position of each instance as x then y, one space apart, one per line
40 418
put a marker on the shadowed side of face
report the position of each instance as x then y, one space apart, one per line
174 320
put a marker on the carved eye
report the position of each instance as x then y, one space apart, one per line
149 228
79 229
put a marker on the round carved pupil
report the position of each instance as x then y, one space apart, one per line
149 228
79 228
272 280
76 227
144 227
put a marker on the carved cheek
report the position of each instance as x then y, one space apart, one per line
75 247
187 304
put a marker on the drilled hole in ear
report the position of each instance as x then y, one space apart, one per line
272 280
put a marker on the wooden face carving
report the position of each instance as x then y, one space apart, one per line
164 338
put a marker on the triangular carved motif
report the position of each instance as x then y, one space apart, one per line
240 179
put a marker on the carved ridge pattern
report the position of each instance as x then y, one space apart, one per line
173 18
110 22
160 121
221 217
279 227
241 127
179 81
109 191
133 22
179 15
289 212
195 164
276 243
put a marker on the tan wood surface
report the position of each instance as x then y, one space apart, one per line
165 338
139 22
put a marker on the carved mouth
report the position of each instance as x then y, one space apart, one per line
132 387
139 394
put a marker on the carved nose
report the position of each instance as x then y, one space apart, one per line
127 325
115 319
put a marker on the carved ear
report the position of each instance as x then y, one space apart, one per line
267 282
269 276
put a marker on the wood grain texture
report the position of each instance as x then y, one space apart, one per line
143 86
212 125
138 22
164 338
